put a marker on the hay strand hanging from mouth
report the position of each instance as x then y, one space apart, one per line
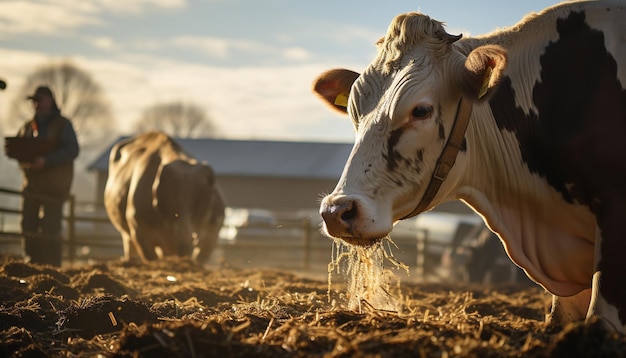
369 282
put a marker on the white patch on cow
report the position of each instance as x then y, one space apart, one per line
569 309
524 67
600 307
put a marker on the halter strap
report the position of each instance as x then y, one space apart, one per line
448 155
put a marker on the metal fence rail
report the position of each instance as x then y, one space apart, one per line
294 243
71 218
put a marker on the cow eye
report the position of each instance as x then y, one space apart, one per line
421 112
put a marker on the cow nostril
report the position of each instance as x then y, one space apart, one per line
340 216
349 214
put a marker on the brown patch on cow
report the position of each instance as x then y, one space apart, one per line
419 159
442 131
392 157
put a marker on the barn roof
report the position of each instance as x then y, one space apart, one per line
260 158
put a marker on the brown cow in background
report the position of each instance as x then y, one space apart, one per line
161 200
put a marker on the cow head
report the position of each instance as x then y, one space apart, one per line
403 108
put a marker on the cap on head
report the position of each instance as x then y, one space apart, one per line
40 92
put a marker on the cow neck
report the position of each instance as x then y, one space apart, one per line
448 155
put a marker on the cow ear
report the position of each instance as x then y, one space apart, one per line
333 87
482 70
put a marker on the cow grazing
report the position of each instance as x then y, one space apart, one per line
162 201
527 125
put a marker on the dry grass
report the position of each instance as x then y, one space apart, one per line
174 308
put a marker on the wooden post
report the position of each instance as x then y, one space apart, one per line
307 243
422 237
71 229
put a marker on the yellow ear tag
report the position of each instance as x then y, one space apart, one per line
341 100
485 85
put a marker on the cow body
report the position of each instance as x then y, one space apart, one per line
543 159
162 201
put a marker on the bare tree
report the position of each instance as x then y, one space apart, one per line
177 119
80 98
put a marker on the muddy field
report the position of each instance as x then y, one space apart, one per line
174 308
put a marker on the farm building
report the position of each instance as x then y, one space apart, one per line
274 175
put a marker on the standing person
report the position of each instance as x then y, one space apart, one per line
46 179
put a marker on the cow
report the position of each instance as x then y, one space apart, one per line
526 125
161 200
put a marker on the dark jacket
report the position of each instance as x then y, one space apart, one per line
56 176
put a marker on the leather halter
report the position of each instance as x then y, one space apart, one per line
448 155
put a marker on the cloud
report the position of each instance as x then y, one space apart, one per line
265 95
103 43
213 47
209 46
61 16
296 53
349 34
136 6
249 102
44 17
255 101
14 68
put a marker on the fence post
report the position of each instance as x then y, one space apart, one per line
422 237
71 229
307 243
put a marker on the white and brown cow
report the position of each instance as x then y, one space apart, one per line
162 201
527 125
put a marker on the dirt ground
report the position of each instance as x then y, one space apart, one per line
173 308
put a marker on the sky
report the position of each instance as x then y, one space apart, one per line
249 63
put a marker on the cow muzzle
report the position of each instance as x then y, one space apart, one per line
351 219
